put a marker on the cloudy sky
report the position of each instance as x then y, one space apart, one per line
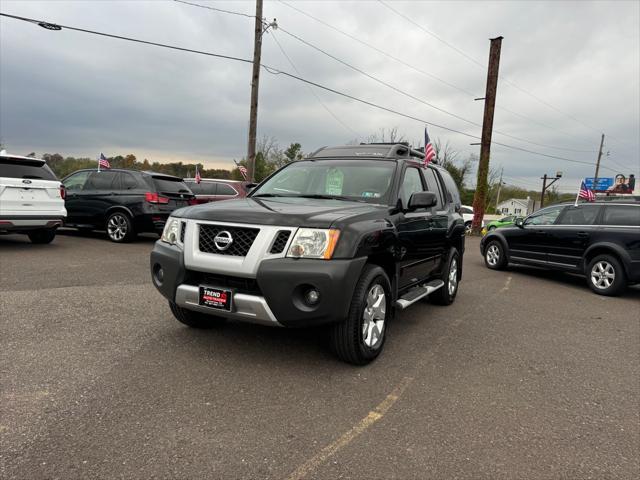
569 72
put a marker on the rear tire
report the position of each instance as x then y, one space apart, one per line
42 236
196 319
606 276
495 256
359 339
446 294
120 227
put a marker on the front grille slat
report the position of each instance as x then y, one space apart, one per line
281 241
243 238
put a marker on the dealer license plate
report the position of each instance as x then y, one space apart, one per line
215 298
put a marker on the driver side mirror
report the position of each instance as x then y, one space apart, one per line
519 222
422 200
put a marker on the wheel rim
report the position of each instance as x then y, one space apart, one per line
493 255
603 274
453 277
467 228
117 227
373 317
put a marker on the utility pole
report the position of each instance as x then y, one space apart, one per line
499 188
595 180
545 186
255 80
479 199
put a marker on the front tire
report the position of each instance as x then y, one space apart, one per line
120 227
42 236
359 339
495 257
195 319
446 294
606 275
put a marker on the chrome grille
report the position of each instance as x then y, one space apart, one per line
243 238
281 241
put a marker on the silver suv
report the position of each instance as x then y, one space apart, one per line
31 198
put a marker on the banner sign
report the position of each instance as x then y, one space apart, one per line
618 184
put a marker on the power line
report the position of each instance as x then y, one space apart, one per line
217 9
474 61
311 89
275 71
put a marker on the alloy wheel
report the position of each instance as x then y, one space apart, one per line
117 227
452 284
603 275
374 316
493 255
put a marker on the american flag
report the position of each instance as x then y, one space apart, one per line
198 178
585 193
103 162
243 171
429 152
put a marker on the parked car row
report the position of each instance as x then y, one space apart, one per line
122 202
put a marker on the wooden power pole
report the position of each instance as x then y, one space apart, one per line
595 180
255 81
480 197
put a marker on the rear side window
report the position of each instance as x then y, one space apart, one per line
434 186
624 215
464 209
224 189
169 185
104 180
128 181
580 215
10 168
453 195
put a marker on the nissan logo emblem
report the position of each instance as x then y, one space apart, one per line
223 240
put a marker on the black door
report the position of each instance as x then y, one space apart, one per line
569 238
98 195
74 186
529 243
418 251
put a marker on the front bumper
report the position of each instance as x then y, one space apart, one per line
275 297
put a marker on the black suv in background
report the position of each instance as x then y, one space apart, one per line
123 202
600 240
343 238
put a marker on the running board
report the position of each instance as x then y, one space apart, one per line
418 293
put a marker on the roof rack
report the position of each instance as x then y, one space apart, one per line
393 150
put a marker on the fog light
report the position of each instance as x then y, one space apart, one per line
158 274
312 296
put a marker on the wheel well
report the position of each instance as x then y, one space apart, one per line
386 263
117 209
601 251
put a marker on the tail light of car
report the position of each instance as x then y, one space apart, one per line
153 197
63 192
193 201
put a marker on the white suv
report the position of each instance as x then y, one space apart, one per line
31 198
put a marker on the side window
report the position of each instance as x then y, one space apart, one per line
76 181
466 210
128 181
546 216
411 183
208 188
103 180
581 215
226 190
196 188
452 189
433 185
626 215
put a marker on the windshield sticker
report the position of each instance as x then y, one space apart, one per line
334 182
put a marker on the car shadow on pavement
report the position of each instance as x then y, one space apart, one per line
100 235
569 279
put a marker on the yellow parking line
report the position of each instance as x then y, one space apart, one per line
346 438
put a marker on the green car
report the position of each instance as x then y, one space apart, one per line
503 222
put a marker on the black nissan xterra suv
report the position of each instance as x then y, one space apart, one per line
343 238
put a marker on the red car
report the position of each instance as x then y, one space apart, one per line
213 189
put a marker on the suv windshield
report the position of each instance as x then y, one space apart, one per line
358 180
36 170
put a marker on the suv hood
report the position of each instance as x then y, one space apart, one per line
284 211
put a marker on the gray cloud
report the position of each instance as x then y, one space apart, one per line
79 94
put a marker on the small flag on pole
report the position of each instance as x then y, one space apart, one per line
198 178
103 162
429 152
585 193
243 171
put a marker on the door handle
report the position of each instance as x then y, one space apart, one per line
583 235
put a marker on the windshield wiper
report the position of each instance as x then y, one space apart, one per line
263 195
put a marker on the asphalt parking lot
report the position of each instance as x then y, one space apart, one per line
528 375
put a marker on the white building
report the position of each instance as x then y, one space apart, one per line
517 206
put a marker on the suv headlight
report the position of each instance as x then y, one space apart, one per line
313 243
171 232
